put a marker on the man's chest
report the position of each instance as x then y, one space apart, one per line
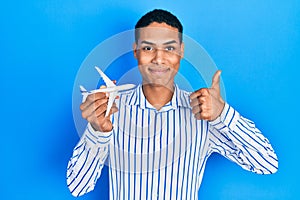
146 140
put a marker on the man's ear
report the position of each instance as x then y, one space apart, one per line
134 46
182 50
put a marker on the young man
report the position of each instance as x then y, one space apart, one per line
158 138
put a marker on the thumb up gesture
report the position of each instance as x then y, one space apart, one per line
207 103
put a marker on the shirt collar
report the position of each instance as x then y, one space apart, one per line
180 99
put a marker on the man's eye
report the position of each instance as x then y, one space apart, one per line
170 48
147 48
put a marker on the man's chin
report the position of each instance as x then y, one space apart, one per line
159 83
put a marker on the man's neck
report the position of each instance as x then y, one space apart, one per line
158 96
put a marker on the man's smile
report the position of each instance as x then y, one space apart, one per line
158 70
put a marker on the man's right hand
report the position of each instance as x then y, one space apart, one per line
94 109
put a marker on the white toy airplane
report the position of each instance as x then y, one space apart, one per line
111 88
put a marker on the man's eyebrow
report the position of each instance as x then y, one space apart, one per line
170 42
151 43
147 42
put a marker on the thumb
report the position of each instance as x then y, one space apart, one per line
216 80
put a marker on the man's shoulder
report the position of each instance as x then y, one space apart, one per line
182 97
183 93
128 92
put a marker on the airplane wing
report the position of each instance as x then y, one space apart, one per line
111 100
107 81
112 95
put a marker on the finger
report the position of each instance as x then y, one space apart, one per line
198 116
96 96
101 107
92 119
97 115
85 105
91 99
200 92
102 110
202 116
195 95
203 99
196 109
216 80
204 92
100 116
201 108
198 101
87 113
89 110
204 107
194 102
113 110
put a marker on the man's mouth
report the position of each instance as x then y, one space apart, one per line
159 71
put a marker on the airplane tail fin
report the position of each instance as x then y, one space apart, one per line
84 93
82 89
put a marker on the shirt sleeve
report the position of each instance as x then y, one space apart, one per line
86 163
237 138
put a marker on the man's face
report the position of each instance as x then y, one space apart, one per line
158 52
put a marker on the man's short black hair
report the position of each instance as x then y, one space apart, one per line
159 16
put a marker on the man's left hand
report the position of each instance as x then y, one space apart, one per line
207 103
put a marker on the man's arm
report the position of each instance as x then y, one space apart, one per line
230 134
86 163
238 139
89 155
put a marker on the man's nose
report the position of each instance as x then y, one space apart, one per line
159 56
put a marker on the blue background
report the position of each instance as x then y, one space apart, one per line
43 43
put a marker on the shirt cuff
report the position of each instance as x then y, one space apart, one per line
228 117
97 137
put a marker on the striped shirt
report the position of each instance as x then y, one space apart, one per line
162 154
